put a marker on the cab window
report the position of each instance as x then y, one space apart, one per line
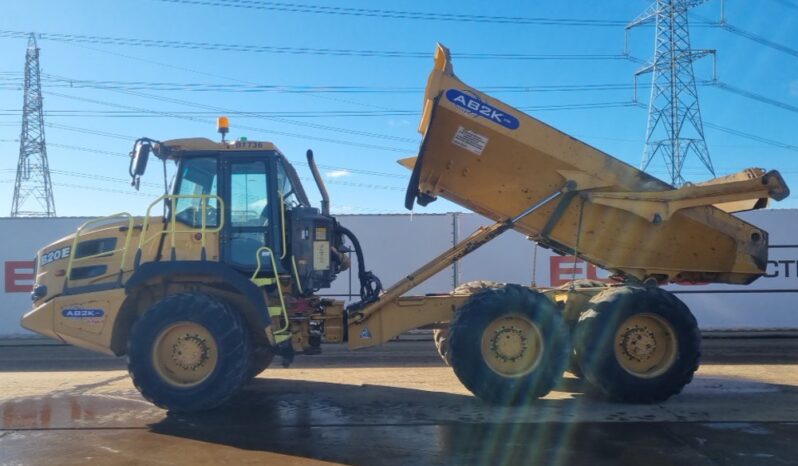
249 201
249 211
197 178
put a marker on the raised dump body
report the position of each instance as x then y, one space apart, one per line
497 161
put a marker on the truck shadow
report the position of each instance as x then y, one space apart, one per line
312 421
371 424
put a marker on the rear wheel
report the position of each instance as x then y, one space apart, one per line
638 344
189 352
508 345
441 338
441 335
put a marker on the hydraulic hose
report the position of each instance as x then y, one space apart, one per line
370 285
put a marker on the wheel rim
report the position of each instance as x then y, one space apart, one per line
512 346
185 354
645 345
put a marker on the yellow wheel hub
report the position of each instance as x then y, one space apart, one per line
185 354
645 345
512 346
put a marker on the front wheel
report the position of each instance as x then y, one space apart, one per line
509 345
189 352
260 359
638 344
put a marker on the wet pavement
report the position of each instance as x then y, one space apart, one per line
396 405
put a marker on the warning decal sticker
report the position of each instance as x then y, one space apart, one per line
470 140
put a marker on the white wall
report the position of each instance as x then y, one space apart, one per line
396 245
21 238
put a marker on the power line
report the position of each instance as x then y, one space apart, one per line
295 162
752 36
130 138
741 134
357 185
215 46
89 149
62 81
320 96
753 137
214 87
108 190
758 97
228 78
215 75
136 114
760 40
223 111
91 188
325 114
402 14
95 177
92 131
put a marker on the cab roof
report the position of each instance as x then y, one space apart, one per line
177 148
174 147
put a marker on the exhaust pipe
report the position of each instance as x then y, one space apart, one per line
325 198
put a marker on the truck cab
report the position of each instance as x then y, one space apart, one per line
266 209
236 224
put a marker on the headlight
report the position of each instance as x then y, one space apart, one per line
39 291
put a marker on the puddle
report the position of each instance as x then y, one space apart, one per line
63 411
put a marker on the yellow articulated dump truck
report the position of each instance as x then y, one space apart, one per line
201 297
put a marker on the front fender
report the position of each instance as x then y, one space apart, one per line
221 275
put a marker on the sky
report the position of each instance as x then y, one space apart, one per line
347 82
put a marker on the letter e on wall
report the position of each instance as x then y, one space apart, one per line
18 276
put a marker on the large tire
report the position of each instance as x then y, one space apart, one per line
441 335
189 352
476 286
261 358
441 338
573 366
638 344
509 345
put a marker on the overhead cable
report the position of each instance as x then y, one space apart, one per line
229 47
401 14
223 111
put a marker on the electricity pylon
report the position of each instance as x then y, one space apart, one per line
33 191
675 130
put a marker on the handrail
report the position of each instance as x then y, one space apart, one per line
144 239
285 247
282 222
73 250
296 275
172 230
276 281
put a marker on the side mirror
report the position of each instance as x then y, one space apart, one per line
138 161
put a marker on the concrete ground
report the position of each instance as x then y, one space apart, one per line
397 405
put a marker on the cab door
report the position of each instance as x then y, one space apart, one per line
250 221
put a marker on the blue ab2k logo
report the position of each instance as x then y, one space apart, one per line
82 313
474 106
